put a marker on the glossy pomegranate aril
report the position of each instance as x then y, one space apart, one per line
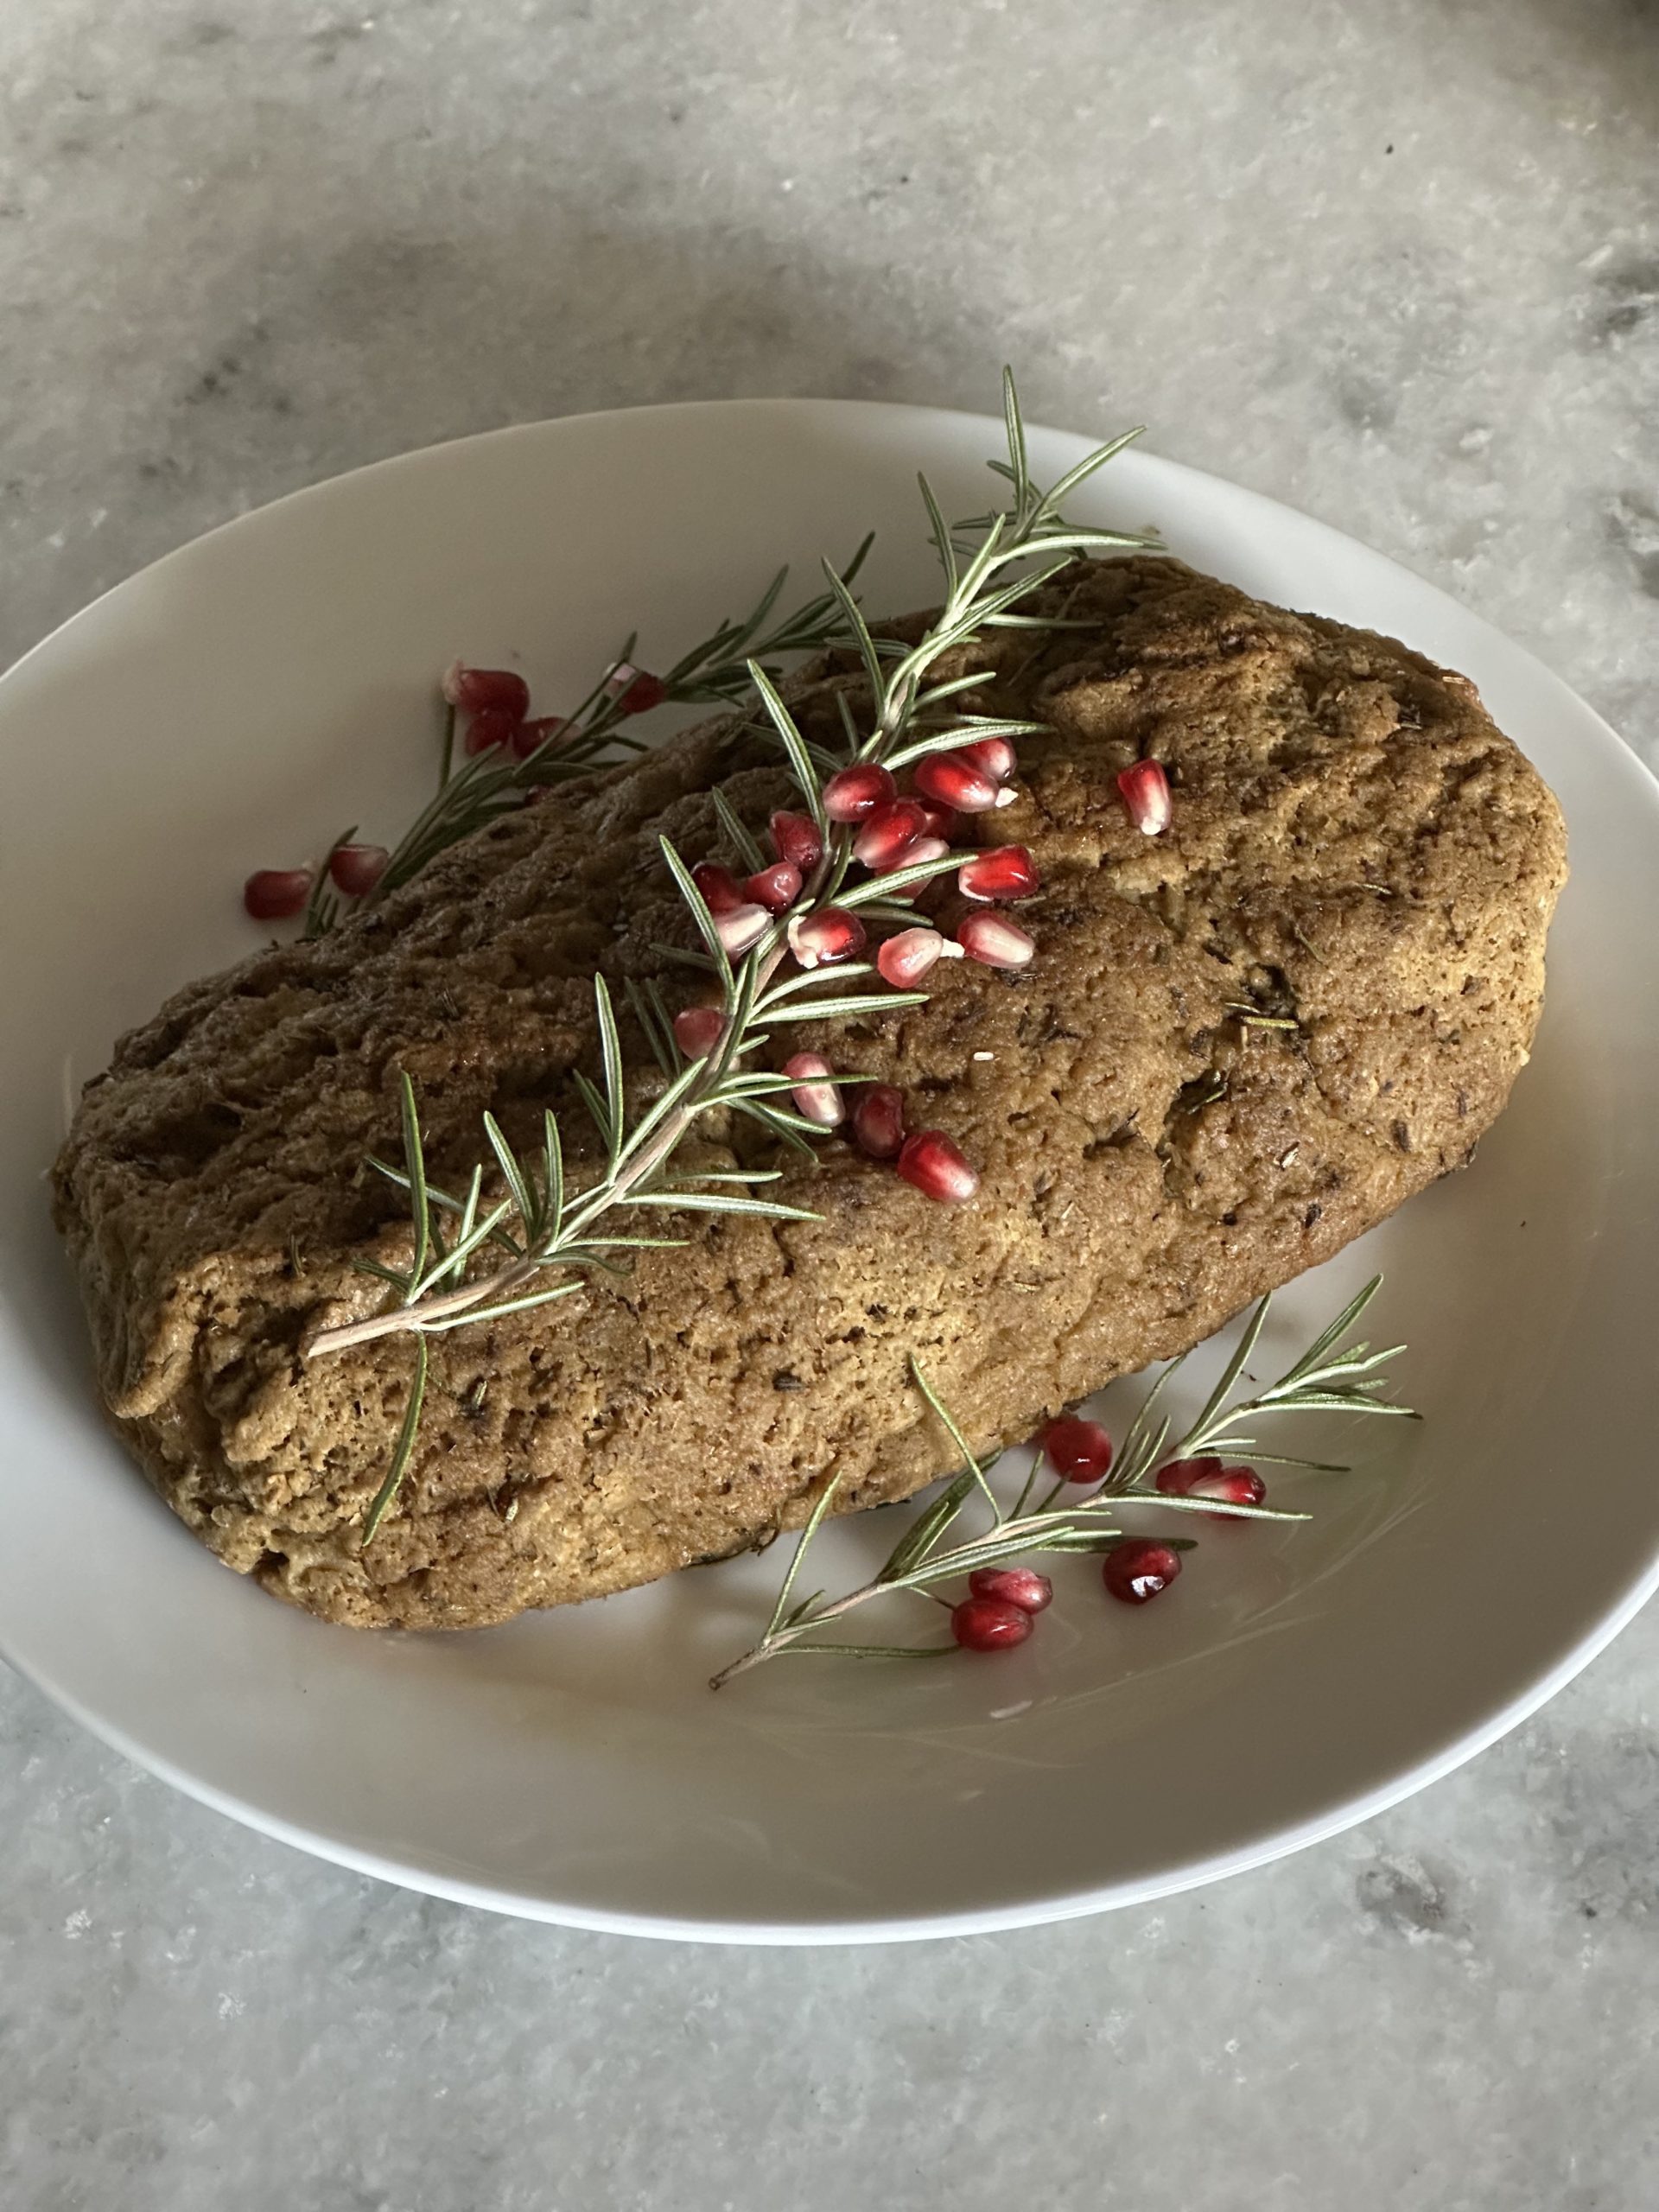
995 941
357 868
698 1030
476 690
954 780
1137 1571
818 940
546 729
272 894
1004 872
817 1098
878 1119
492 726
933 1163
720 891
1146 794
635 691
941 820
1012 1586
797 837
740 927
852 793
994 755
1208 1477
1080 1450
905 959
776 888
887 832
990 1625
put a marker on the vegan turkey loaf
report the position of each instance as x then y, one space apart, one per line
1356 849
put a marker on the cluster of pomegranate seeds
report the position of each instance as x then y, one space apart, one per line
274 894
1079 1450
1137 1571
1146 794
1208 1477
930 1161
878 1119
816 1098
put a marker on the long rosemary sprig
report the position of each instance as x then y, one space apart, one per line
539 1225
1327 1378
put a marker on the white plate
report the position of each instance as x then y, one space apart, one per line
230 707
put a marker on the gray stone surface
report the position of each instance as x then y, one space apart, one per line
1398 264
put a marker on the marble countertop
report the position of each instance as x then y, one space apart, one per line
1398 265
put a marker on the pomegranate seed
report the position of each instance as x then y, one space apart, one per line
546 729
634 690
776 888
932 1163
1079 1450
1146 793
476 690
993 754
490 726
797 837
941 820
1006 872
851 794
819 940
905 959
993 940
740 927
357 868
878 1120
719 887
990 1625
887 832
1012 1586
698 1030
1207 1477
1137 1571
926 849
815 1100
271 894
954 780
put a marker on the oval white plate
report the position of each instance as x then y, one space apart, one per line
234 705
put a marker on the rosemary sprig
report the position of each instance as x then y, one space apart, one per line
541 1224
1328 1377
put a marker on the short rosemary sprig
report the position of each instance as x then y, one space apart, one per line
539 1225
1328 1377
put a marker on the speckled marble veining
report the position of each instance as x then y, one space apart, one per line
1397 265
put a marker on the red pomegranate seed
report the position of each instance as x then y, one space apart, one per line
776 888
878 1120
887 832
993 940
698 1030
634 691
851 794
271 894
1137 1571
905 959
954 780
932 1163
476 690
1207 1477
546 729
819 940
1005 871
491 727
719 887
941 820
797 837
815 1099
993 754
924 848
357 868
1012 1586
988 1624
1080 1450
740 927
1146 793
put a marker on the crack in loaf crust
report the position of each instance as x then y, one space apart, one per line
1354 842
